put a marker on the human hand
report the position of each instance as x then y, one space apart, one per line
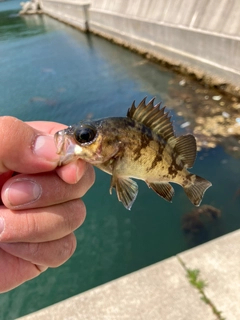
39 206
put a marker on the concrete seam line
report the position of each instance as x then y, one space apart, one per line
199 284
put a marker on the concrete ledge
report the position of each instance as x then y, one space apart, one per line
162 291
190 35
73 13
219 263
200 51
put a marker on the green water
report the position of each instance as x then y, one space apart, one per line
49 71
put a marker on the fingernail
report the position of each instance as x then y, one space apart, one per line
44 147
2 225
22 192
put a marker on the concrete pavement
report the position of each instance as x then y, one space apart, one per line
163 291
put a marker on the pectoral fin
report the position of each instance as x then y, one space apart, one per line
126 189
163 189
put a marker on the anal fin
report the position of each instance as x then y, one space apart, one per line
126 189
163 189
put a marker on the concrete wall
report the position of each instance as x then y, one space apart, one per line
199 36
74 13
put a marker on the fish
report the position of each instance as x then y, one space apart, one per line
142 146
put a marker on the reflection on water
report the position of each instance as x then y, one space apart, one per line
14 26
50 71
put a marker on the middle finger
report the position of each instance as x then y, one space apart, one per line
42 190
42 224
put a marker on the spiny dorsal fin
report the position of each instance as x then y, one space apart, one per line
152 117
186 148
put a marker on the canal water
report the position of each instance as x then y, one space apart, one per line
50 71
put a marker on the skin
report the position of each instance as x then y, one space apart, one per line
38 230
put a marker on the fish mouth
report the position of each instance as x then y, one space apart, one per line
69 150
59 139
66 147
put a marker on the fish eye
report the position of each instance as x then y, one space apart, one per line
85 134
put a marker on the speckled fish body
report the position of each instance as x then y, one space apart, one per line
140 146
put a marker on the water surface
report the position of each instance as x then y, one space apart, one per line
50 71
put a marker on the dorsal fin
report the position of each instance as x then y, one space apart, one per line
186 148
152 117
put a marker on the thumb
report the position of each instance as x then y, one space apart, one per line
25 149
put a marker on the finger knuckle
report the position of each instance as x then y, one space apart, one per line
75 213
34 249
66 250
8 125
30 227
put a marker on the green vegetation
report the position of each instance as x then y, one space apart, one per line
193 276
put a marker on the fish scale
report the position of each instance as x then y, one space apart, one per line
141 146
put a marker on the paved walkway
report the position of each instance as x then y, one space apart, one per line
163 290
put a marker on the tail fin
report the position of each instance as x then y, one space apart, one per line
196 191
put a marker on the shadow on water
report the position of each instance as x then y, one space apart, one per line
50 71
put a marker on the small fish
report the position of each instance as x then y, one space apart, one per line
141 146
